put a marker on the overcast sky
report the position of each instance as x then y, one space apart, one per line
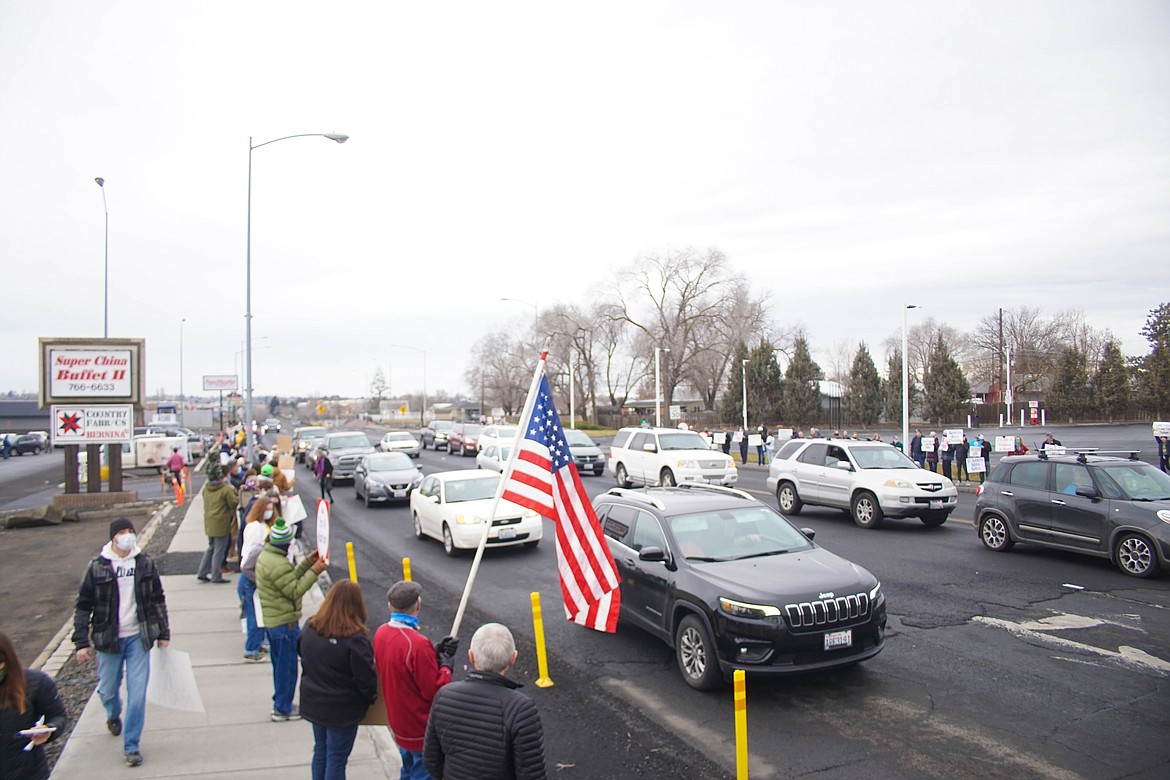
846 157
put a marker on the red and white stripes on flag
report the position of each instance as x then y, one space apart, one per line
544 479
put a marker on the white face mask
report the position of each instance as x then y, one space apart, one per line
267 514
126 542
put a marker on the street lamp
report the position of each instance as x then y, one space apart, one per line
744 368
422 414
535 314
106 316
906 383
251 436
658 386
181 323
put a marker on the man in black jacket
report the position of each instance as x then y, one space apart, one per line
463 739
122 610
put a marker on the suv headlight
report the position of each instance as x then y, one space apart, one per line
874 592
1164 515
743 610
899 483
466 519
688 464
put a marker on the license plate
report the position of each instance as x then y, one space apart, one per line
506 533
936 504
398 493
839 639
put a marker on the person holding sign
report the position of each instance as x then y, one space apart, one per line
339 681
31 714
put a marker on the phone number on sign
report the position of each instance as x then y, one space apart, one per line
91 387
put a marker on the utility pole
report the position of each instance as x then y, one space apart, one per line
1002 389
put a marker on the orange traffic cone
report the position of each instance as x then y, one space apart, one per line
180 494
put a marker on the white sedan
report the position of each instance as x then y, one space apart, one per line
400 441
496 434
452 506
494 457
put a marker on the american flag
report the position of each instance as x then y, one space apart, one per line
544 479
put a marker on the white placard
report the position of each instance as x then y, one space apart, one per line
718 437
954 435
92 424
226 382
755 440
1005 443
976 465
323 529
95 373
675 411
1054 449
928 444
1162 429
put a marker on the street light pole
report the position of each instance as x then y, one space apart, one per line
250 434
535 313
906 383
181 323
744 367
106 287
422 414
658 386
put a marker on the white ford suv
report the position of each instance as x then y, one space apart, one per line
667 457
868 479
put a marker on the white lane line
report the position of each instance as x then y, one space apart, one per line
1127 656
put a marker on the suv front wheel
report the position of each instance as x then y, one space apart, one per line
1136 556
788 499
623 479
666 478
867 512
696 655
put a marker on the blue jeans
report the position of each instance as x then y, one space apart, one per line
255 637
136 659
331 748
412 766
282 651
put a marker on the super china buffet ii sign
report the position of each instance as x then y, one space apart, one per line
93 370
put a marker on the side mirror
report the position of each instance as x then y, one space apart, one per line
433 498
649 447
844 465
809 533
1087 492
652 555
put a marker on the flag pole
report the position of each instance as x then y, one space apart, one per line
524 418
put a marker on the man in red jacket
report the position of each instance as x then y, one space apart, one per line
412 670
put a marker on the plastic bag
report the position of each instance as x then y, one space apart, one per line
172 681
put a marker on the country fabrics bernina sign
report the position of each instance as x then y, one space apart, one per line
105 424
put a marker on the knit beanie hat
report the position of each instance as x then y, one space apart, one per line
214 471
121 524
266 470
281 533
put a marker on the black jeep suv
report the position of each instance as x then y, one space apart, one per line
730 584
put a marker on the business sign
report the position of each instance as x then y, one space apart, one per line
92 424
91 371
226 382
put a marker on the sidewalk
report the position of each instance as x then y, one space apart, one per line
234 737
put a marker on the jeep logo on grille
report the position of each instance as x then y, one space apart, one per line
828 595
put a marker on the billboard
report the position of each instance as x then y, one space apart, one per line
91 371
92 424
224 382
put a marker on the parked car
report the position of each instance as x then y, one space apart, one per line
1109 507
667 457
46 441
869 479
306 440
586 454
494 457
495 434
463 437
434 435
400 441
27 444
730 584
346 449
452 506
385 476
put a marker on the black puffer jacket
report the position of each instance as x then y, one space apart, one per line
42 699
482 728
97 604
339 681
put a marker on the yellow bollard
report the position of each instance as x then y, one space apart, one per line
541 656
352 565
406 569
741 754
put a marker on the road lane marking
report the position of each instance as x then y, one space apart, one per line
1125 655
715 743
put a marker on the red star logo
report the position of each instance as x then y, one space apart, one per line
70 423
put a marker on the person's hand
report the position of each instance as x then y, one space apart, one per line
445 650
163 642
319 566
84 655
40 739
313 557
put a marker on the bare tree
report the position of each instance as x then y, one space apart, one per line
501 366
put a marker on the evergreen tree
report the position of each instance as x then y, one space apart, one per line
892 390
731 406
946 387
1154 382
765 386
1069 396
863 405
802 396
1111 390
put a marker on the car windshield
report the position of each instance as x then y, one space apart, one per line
391 461
683 440
730 534
888 457
472 430
457 490
345 442
507 432
578 438
399 437
313 436
443 426
1140 481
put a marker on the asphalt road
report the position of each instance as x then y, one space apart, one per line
1026 664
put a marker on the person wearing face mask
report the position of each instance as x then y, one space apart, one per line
28 700
256 528
121 611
